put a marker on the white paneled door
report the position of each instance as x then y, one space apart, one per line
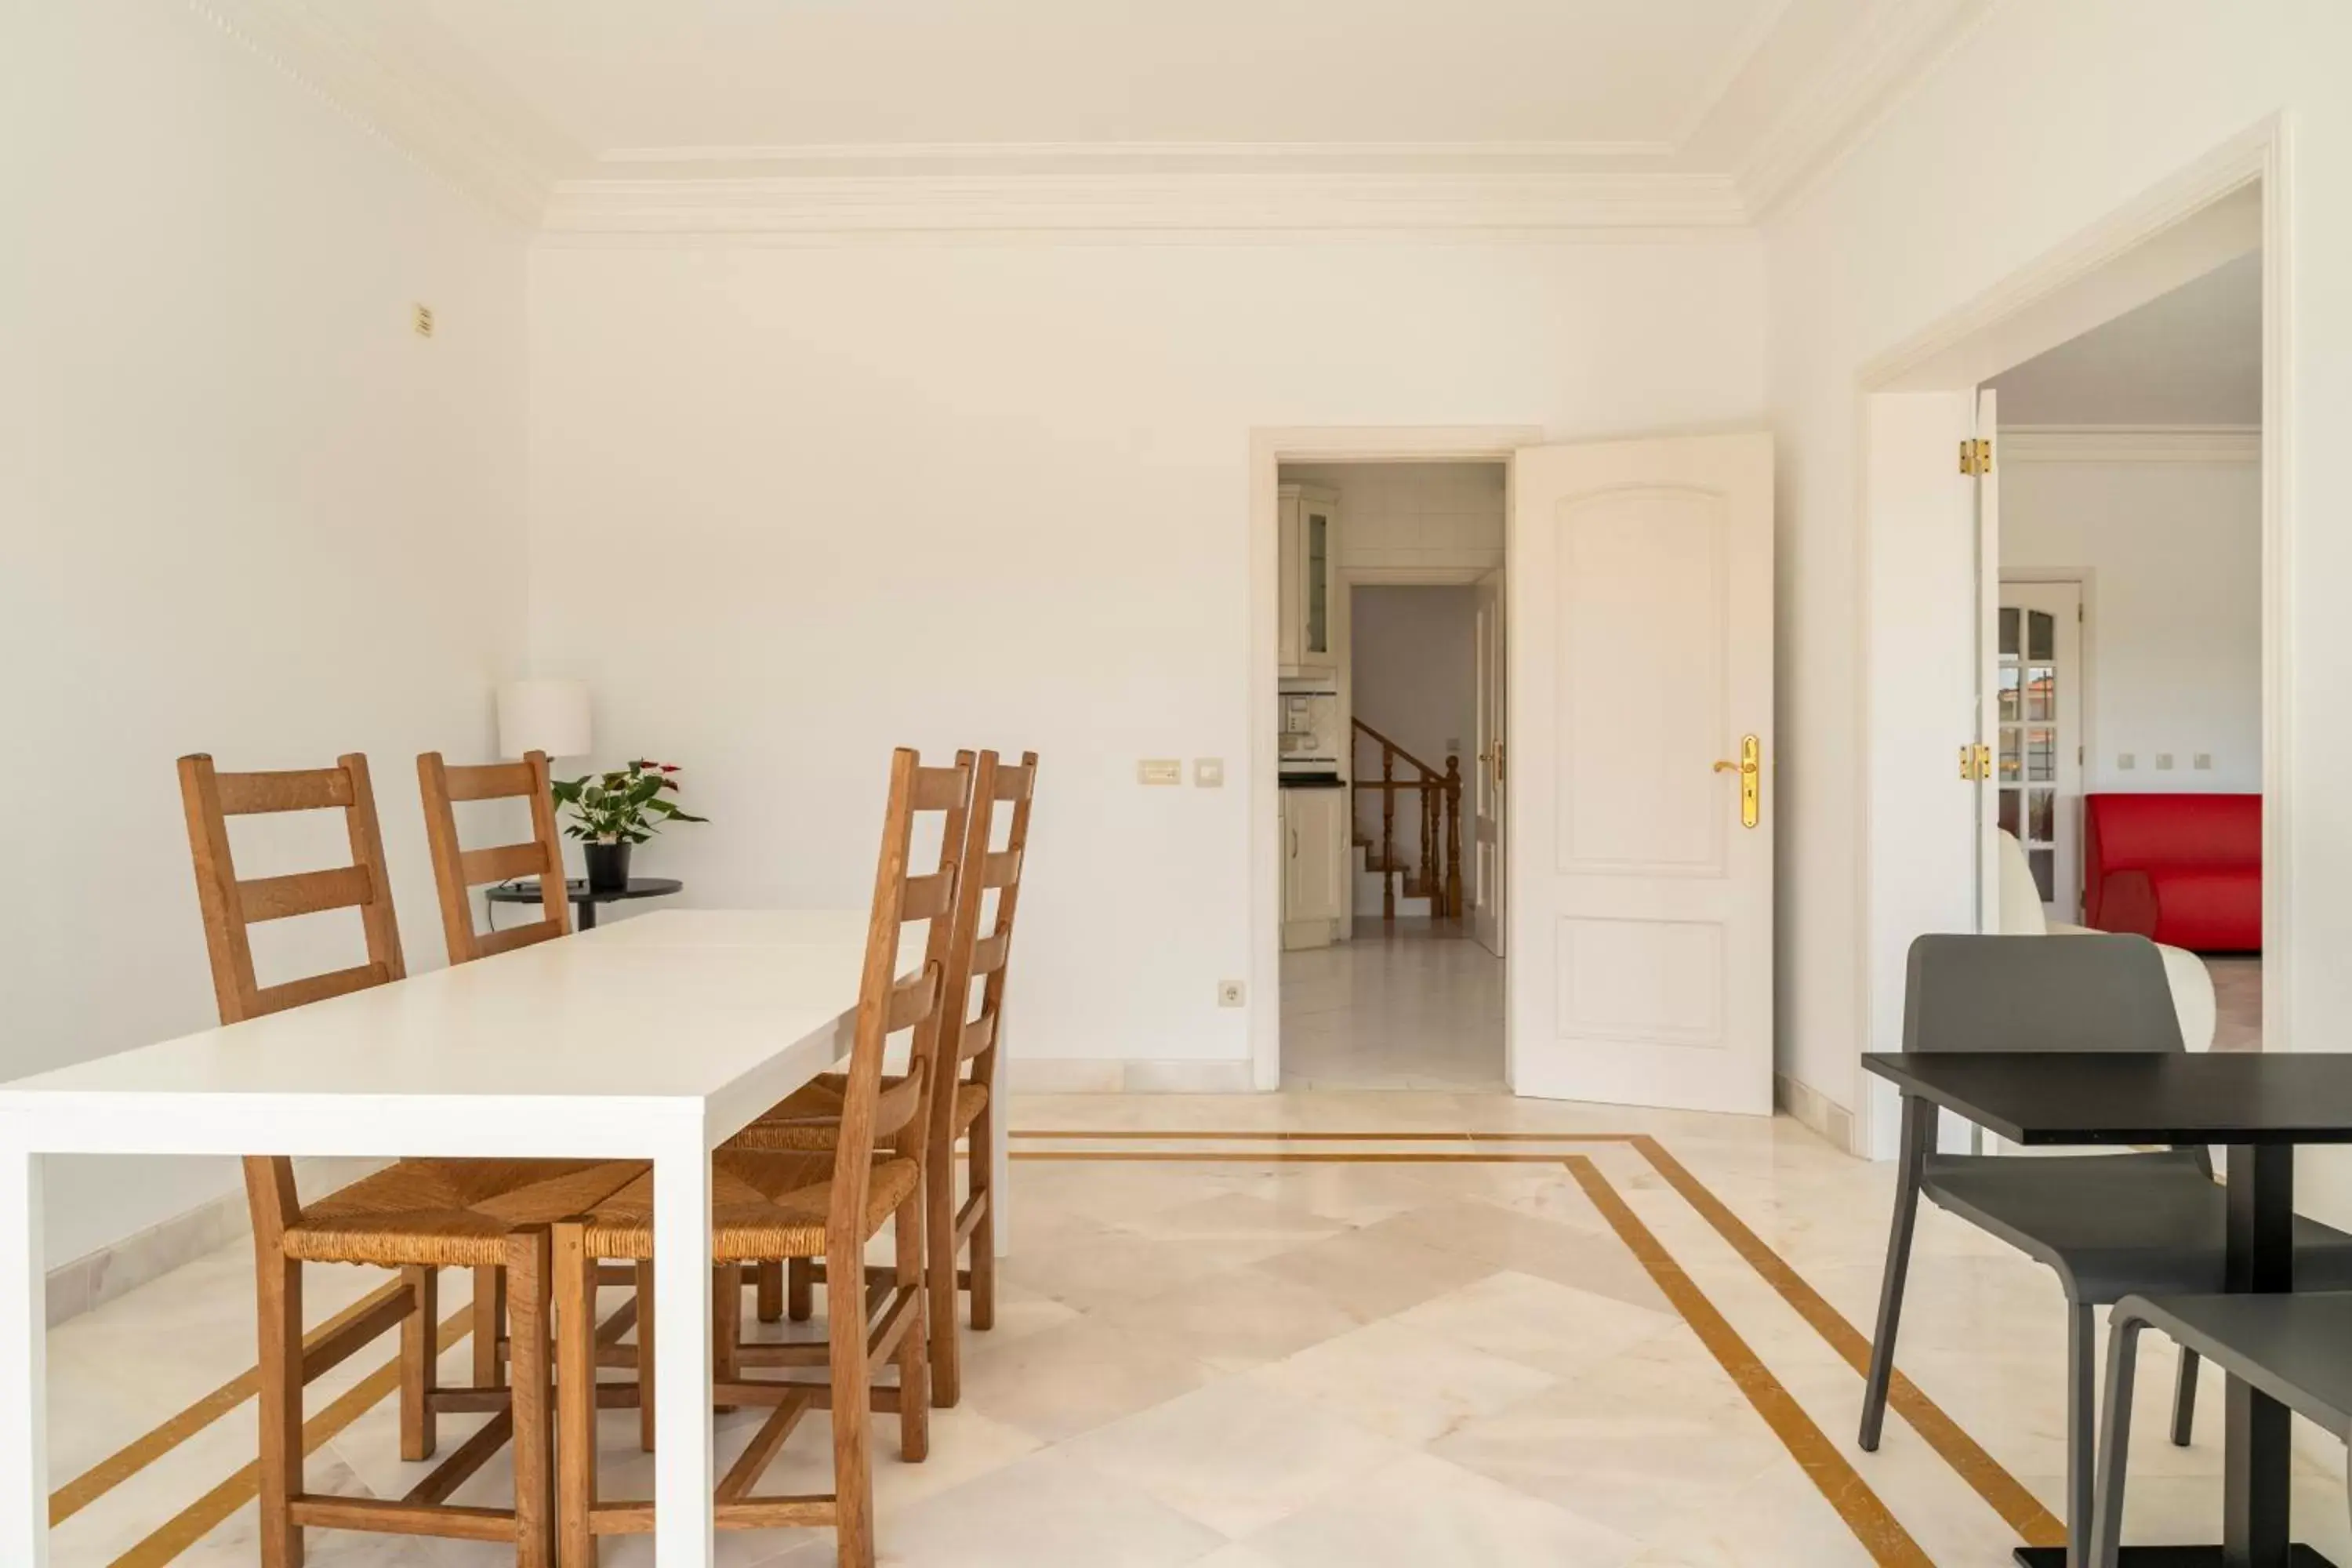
1640 675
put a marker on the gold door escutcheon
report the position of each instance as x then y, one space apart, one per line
1750 768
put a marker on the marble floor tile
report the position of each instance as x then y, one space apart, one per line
1422 1512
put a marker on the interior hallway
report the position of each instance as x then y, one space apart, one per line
1416 1006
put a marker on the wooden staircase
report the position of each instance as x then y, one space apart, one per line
1436 874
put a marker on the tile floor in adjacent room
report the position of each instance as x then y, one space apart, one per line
1415 1004
1270 1363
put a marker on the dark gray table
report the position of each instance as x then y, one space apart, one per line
586 899
2258 1107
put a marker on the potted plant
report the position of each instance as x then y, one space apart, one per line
614 812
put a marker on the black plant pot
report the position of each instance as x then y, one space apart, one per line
608 867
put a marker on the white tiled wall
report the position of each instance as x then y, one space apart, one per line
1414 515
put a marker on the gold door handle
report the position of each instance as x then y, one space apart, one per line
1750 768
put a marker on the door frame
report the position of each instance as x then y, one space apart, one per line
1269 447
2113 266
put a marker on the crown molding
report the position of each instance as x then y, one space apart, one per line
1851 92
493 156
2129 444
1531 205
1128 158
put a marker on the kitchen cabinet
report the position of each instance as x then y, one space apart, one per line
1310 542
1314 865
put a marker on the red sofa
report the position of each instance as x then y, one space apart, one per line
2183 870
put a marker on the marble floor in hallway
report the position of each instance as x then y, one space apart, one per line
1302 1329
1415 1005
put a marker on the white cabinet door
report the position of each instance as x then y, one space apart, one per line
1640 684
1308 548
1314 867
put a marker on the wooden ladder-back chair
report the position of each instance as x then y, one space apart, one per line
969 1070
416 1217
768 1206
457 870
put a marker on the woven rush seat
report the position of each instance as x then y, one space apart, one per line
449 1212
761 1205
807 1122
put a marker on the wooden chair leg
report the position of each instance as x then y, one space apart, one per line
726 1327
646 1356
852 1416
419 1359
489 1323
770 1276
575 1393
982 1154
800 1289
914 1345
527 1270
278 1296
940 1309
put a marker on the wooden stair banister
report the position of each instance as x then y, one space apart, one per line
1438 875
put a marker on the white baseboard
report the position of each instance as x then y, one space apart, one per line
98 1278
1050 1075
1810 1107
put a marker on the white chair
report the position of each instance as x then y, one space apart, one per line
2021 914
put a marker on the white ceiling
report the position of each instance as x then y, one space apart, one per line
1502 115
2190 357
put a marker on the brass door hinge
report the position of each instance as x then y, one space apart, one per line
1976 764
1976 456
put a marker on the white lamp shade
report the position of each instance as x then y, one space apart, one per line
548 716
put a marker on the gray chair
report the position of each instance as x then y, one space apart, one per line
2110 1225
2296 1349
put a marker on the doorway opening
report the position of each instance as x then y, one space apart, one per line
1392 971
2128 696
2090 607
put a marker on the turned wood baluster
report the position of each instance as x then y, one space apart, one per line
1428 867
1454 837
1388 832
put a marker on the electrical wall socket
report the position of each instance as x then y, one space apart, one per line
1209 773
1230 993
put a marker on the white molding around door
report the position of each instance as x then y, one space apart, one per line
1270 447
2241 190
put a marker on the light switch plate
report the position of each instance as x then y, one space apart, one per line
2164 761
1159 771
2204 762
2126 761
1209 773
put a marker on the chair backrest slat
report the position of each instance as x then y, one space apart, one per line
303 893
457 871
2038 994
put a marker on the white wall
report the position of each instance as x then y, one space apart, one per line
792 506
249 512
1414 660
2071 111
2172 554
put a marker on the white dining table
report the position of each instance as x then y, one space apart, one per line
654 1038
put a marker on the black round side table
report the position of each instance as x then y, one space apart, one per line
585 902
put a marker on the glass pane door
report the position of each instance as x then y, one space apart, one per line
2040 734
1318 583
